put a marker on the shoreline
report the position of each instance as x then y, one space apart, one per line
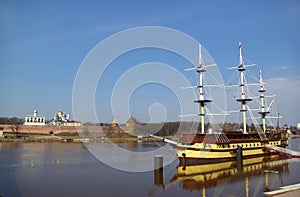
74 139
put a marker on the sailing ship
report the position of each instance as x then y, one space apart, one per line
223 145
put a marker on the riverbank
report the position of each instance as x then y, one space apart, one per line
71 138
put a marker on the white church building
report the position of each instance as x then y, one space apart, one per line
35 119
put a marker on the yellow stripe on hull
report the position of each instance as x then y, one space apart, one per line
224 151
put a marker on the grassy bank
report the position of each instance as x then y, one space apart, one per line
71 138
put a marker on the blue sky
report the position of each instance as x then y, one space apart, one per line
44 42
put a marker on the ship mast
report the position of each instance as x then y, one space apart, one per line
201 70
263 111
243 100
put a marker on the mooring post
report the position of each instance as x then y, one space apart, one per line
239 158
158 170
158 162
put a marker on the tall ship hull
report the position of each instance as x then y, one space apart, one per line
220 147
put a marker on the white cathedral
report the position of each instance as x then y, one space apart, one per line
60 118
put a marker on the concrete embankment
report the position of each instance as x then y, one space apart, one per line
285 191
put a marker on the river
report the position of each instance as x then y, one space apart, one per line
69 169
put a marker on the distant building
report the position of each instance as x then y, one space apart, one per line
131 123
63 119
1 131
114 123
135 127
35 119
59 119
73 123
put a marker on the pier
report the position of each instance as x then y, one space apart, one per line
290 190
284 151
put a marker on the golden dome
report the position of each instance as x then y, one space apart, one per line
114 121
60 113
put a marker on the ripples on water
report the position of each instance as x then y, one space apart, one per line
68 169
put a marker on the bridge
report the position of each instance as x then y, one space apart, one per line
284 151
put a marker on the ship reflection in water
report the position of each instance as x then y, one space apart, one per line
202 176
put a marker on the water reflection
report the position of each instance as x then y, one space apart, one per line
203 176
15 155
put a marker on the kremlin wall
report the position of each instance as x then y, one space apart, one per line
47 129
60 124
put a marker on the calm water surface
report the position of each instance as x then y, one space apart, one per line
68 169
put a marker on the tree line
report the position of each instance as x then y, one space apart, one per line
11 121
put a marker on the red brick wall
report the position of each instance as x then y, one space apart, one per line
57 129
